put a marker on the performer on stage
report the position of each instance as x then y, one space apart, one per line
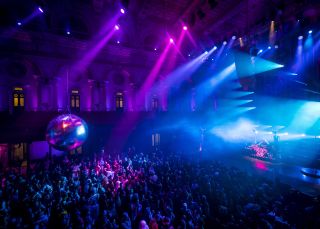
275 137
276 152
202 139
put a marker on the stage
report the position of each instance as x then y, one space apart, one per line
277 171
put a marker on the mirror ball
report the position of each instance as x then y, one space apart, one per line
67 132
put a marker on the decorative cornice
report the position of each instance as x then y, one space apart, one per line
58 46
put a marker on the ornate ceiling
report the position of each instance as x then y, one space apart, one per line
149 21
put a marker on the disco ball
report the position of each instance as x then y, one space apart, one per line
66 132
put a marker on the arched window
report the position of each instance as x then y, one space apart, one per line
75 100
18 98
155 104
18 152
119 101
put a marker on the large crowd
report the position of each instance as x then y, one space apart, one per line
149 190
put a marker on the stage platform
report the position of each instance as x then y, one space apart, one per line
283 172
311 172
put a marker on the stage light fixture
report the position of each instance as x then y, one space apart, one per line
155 49
269 47
310 32
118 42
300 37
116 27
276 46
122 11
40 9
234 37
68 32
225 43
171 40
19 23
185 28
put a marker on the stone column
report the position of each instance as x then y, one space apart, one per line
131 105
4 98
95 90
60 91
109 96
44 96
31 96
163 94
86 95
103 96
126 100
147 100
54 95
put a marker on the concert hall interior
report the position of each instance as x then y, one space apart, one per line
160 114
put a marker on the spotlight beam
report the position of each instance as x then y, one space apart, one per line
85 61
298 57
207 87
219 53
185 71
176 51
230 43
305 54
25 21
108 26
272 34
127 123
178 46
96 45
246 65
153 74
194 43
